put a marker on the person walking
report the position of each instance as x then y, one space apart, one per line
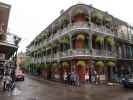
68 78
65 78
77 80
72 78
93 76
86 77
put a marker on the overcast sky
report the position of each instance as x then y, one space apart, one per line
29 17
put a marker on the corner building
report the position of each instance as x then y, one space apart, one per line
83 39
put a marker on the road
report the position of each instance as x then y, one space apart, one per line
35 89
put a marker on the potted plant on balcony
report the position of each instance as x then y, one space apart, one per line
66 40
110 41
97 16
80 41
64 22
99 40
107 18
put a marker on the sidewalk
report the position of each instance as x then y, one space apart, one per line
39 78
57 82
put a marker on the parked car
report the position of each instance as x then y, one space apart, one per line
127 82
19 75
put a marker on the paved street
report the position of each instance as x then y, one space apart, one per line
35 89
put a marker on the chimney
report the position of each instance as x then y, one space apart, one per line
62 11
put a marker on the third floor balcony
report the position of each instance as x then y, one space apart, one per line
80 25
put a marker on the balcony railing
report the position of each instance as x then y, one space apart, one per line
105 53
9 38
101 29
67 29
81 25
73 53
76 52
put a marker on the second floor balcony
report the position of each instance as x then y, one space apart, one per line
103 53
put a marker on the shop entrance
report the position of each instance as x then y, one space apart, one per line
81 72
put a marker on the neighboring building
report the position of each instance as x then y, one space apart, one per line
84 39
23 61
21 57
8 42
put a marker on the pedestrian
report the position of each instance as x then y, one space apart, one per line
65 78
87 77
93 76
68 78
77 80
72 78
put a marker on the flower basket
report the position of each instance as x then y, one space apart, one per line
81 63
65 40
110 41
65 22
110 63
99 40
99 64
97 15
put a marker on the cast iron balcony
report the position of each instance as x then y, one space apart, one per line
76 52
101 29
81 25
9 39
102 53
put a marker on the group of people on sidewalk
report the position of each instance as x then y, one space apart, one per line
73 78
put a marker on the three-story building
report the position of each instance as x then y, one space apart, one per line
83 39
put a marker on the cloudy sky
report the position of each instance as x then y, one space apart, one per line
29 17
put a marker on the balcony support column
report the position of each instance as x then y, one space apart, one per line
124 50
58 50
90 42
89 19
70 18
70 38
